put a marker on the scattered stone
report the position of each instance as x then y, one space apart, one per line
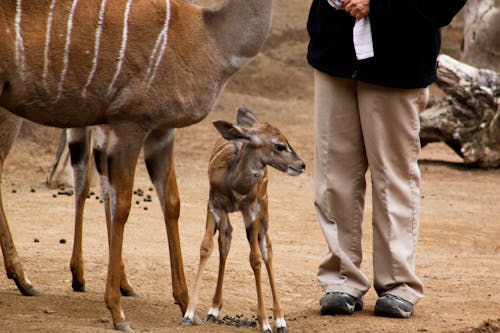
36 240
54 195
48 311
68 193
237 321
14 190
62 241
33 190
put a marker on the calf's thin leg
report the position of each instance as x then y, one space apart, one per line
206 249
225 235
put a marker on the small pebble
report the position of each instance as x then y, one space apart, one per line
36 240
62 241
33 190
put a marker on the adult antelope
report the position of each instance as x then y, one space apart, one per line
142 68
238 182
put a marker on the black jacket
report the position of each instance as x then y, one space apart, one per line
406 41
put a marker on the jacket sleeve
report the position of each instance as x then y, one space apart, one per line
433 13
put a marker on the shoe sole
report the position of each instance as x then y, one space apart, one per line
335 306
391 311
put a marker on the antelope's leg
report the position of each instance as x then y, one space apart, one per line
9 128
121 162
206 249
267 250
225 234
158 153
55 177
101 163
252 227
79 148
267 255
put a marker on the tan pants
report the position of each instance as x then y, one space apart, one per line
361 126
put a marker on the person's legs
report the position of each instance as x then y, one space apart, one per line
390 122
340 167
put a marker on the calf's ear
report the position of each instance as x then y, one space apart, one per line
230 131
245 117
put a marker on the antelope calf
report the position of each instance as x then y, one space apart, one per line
238 182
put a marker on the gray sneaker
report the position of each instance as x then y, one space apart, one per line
337 303
393 306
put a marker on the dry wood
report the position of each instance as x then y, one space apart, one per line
468 118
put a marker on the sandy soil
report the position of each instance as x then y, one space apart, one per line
458 256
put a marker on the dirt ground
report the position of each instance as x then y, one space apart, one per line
458 256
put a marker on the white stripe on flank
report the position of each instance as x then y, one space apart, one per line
19 40
66 50
161 42
48 31
121 56
97 46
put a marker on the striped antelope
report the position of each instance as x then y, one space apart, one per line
238 182
140 67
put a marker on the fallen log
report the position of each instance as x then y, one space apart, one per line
468 118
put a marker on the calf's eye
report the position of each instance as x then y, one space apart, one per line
279 147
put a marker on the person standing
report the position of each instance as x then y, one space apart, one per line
373 61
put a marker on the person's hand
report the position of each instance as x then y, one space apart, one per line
357 8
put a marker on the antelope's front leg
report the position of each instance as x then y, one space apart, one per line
267 251
121 168
158 153
9 128
206 249
267 254
252 227
225 236
101 163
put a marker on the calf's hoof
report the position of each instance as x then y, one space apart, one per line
123 326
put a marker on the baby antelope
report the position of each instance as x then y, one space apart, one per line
238 182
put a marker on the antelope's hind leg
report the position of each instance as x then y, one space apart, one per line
9 128
79 148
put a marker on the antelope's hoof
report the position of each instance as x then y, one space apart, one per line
267 331
210 318
197 320
187 322
30 291
123 326
78 286
282 330
129 293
